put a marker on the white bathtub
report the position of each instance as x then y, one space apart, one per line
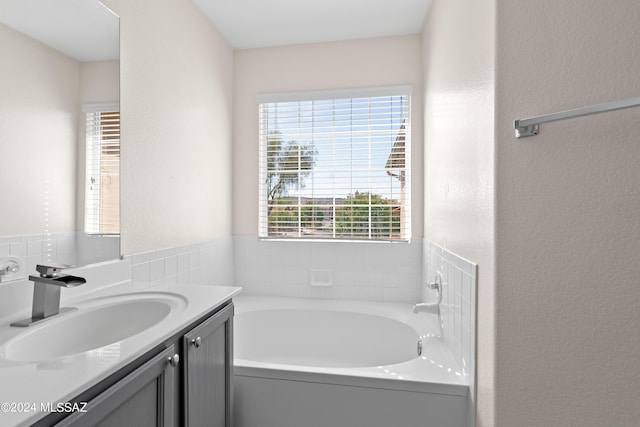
326 363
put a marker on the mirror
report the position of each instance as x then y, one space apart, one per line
60 64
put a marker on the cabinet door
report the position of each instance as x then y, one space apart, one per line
207 371
142 398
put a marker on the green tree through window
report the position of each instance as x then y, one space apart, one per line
368 215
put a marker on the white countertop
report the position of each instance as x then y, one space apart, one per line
28 386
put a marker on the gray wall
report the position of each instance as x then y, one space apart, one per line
568 216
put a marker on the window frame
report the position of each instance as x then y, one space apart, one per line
340 94
92 210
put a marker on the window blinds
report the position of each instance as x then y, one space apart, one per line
102 197
335 168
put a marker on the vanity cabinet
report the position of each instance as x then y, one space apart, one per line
208 366
186 382
142 398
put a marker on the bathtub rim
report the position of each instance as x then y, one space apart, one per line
437 374
245 369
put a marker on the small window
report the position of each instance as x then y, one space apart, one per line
335 165
102 196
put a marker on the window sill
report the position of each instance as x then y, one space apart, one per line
307 240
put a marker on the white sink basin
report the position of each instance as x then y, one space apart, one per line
96 323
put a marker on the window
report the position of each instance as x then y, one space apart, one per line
102 196
335 165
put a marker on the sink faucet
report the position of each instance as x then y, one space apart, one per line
46 293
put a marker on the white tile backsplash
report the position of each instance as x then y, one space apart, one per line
36 249
65 248
203 263
359 270
140 272
459 283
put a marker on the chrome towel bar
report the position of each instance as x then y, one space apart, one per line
530 126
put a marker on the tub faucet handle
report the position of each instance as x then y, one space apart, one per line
436 285
431 307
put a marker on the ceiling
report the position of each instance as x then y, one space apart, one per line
249 24
88 31
84 30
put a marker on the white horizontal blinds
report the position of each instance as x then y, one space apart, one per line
335 168
102 201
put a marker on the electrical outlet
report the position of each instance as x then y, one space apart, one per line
321 278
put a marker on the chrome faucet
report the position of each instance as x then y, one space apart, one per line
46 293
428 307
431 307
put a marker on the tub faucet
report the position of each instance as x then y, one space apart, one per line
431 307
46 293
428 307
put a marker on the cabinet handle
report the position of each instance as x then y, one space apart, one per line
196 342
174 360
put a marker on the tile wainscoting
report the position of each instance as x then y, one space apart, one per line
65 248
372 271
203 263
458 307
